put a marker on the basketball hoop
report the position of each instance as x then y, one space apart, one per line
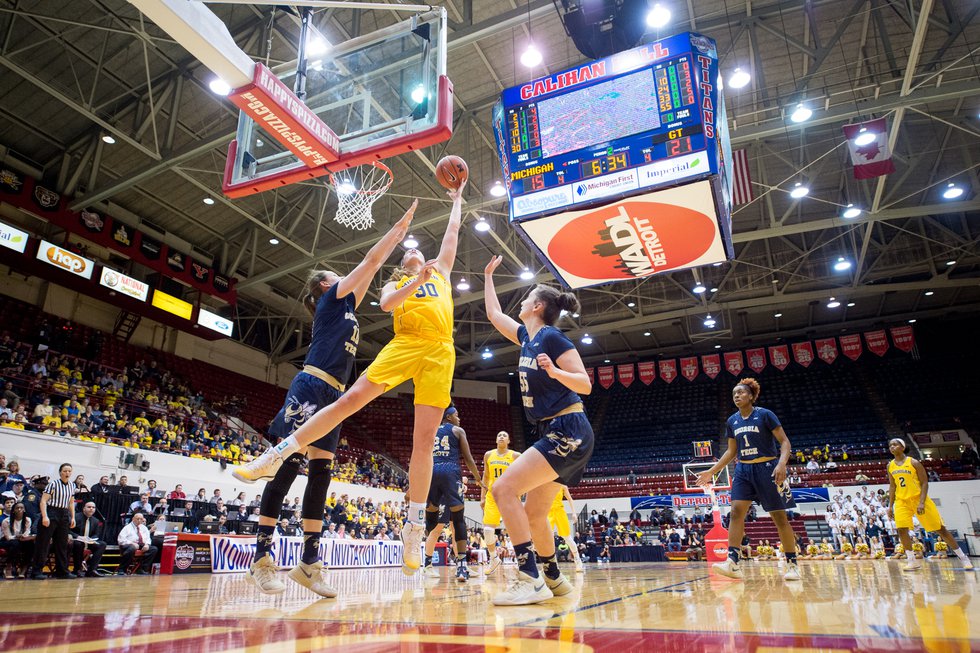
357 188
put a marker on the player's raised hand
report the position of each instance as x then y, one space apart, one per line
492 266
426 272
409 214
456 194
546 364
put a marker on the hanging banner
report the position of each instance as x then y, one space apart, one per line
46 200
668 370
122 235
626 374
877 342
591 375
689 367
803 353
149 247
91 222
779 356
711 364
201 273
903 338
756 359
850 346
176 260
606 376
10 181
733 362
827 350
647 371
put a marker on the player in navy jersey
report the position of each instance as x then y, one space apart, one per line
331 299
552 377
758 441
444 489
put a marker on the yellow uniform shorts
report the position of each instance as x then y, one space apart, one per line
491 514
905 509
429 363
559 521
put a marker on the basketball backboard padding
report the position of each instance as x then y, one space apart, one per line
383 94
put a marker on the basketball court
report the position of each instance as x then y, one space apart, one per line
851 606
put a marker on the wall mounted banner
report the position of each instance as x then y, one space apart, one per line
13 238
10 181
647 371
711 364
827 350
119 282
606 377
779 357
91 221
64 259
46 200
591 375
689 367
231 554
692 500
877 342
733 362
626 374
803 353
850 345
668 370
756 359
123 236
215 322
903 338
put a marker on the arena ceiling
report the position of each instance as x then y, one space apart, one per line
75 70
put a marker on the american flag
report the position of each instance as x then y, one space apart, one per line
742 186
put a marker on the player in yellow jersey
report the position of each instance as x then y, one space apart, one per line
558 519
908 487
420 298
495 462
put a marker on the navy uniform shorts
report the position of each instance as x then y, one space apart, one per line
566 442
444 490
755 483
307 394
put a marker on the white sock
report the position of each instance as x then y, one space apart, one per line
910 556
959 553
287 447
416 512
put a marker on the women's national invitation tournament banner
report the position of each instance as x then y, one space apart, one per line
230 554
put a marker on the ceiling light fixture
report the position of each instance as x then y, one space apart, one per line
739 78
658 17
801 113
717 346
709 321
631 304
930 293
418 94
487 354
851 211
273 241
531 56
208 200
850 304
950 263
698 289
799 190
912 321
482 225
952 191
586 339
410 242
778 315
107 139
463 285
526 274
646 333
842 264
833 303
864 137
498 189
219 86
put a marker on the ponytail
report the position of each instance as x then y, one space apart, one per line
555 301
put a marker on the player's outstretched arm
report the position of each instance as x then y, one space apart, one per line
486 478
447 253
464 448
502 322
359 279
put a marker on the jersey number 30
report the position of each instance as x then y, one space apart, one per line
427 289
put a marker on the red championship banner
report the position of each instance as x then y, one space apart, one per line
779 356
803 353
711 364
689 367
850 346
756 359
668 370
591 375
626 374
827 350
733 362
647 371
903 338
877 342
606 376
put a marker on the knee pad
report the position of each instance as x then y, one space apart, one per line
459 526
431 521
276 489
317 484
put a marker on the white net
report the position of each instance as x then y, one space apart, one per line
357 189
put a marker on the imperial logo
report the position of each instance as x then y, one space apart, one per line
684 167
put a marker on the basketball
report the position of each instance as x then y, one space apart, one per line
452 172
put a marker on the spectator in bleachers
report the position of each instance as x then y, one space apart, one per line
153 491
102 487
241 515
216 497
283 527
123 482
202 496
133 538
256 514
177 493
141 505
240 500
87 536
256 502
13 474
17 541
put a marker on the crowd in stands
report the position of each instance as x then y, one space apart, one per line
154 510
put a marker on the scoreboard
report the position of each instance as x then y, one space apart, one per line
621 128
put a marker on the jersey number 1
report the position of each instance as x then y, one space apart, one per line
746 438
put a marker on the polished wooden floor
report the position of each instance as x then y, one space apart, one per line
658 608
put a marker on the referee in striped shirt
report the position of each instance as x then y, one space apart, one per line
57 517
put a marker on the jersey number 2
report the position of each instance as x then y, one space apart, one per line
901 481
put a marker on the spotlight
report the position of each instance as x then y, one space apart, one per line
586 339
864 137
714 290
575 315
531 57
526 275
739 78
631 304
410 242
273 241
418 94
646 333
606 360
481 225
209 201
709 321
717 346
952 191
658 17
108 140
316 45
912 321
487 354
374 303
463 285
842 264
778 315
717 265
930 293
851 211
950 264
799 191
698 289
219 86
833 303
498 189
850 304
801 113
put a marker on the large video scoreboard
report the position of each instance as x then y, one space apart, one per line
577 144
